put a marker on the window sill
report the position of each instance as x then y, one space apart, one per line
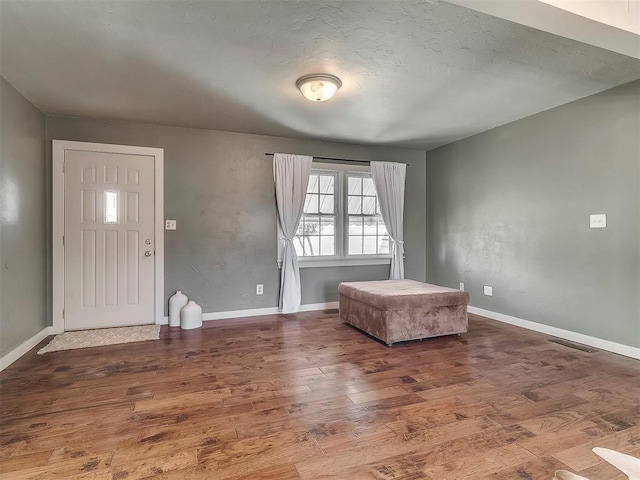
342 262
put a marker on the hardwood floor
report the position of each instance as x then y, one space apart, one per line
305 396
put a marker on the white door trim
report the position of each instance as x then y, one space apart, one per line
59 147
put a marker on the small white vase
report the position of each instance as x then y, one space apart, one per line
191 316
176 302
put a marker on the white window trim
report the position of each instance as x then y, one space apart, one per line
341 259
318 262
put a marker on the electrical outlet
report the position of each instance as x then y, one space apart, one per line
259 289
170 224
462 286
488 291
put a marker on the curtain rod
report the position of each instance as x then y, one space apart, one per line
364 162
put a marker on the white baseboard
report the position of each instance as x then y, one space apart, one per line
619 348
256 312
24 347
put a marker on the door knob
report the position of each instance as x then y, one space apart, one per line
147 253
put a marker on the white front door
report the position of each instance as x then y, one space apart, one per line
109 240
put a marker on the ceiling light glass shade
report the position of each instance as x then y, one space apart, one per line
318 87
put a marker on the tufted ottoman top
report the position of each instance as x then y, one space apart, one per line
402 294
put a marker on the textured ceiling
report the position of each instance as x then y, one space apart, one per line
415 73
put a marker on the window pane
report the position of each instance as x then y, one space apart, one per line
311 203
370 226
382 230
355 205
355 186
311 225
110 207
326 183
378 207
355 245
355 225
369 205
297 243
384 244
370 244
300 229
327 246
312 186
326 204
368 187
328 226
312 246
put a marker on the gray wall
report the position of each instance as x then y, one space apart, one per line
23 263
510 208
219 187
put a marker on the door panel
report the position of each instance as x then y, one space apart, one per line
109 227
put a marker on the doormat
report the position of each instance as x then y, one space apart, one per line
101 337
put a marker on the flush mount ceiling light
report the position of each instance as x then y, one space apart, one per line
318 87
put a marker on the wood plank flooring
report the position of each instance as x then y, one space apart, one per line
307 397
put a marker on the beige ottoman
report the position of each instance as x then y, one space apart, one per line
397 310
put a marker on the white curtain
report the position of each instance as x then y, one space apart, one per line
389 179
291 176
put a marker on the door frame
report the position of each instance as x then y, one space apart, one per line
59 147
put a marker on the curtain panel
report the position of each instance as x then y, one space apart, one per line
389 180
291 176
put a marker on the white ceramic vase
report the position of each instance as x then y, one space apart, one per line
176 302
191 316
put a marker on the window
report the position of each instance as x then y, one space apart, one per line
110 206
367 233
316 235
341 222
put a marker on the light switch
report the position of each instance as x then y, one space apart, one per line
598 221
170 224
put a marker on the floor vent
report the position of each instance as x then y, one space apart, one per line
577 346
